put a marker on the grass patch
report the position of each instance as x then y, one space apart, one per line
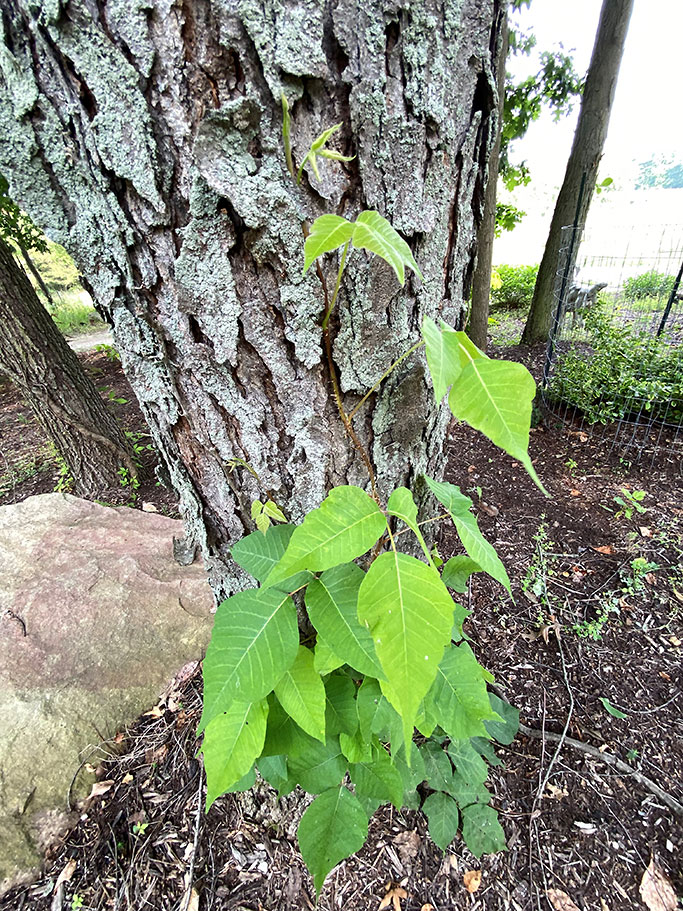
74 313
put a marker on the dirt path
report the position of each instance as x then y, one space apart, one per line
90 340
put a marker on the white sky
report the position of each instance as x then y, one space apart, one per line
647 116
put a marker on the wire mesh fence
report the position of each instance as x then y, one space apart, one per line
614 362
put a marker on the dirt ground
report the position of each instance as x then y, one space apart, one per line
589 649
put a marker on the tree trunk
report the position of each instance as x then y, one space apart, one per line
148 138
481 281
589 140
35 273
49 376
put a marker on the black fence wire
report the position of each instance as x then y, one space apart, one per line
614 360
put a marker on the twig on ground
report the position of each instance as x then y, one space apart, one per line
197 826
609 759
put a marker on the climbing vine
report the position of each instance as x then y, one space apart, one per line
346 670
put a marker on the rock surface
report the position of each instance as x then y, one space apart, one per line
95 618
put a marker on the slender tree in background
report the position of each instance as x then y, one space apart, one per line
35 356
554 86
589 140
150 142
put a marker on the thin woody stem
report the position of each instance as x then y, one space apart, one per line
379 382
335 293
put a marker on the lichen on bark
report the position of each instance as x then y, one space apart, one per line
146 138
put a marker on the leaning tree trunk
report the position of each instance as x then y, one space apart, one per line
582 168
148 138
36 358
478 327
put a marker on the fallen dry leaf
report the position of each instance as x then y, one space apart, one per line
472 880
645 531
427 907
393 897
665 676
127 778
675 641
605 549
100 788
408 844
156 712
575 493
656 891
66 873
489 510
555 792
561 901
650 578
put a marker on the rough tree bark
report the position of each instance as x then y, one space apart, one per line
65 401
584 159
147 136
478 326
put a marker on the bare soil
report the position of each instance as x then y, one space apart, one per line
585 624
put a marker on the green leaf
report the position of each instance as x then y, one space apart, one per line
301 694
504 728
467 791
333 827
495 397
324 659
479 549
458 698
232 741
443 358
410 614
402 505
374 233
414 774
346 525
331 602
246 783
481 830
328 232
341 711
610 708
355 748
262 522
318 766
438 769
457 571
255 640
256 509
379 778
283 735
273 511
484 747
258 553
467 761
442 815
376 715
273 769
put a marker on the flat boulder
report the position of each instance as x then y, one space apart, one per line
96 617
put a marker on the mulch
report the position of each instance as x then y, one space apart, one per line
579 629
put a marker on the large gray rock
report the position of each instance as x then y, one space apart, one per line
95 618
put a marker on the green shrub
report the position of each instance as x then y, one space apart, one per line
625 371
514 287
649 284
56 268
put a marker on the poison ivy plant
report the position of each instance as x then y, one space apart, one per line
320 675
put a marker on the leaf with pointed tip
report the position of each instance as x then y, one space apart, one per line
495 397
255 639
345 525
443 358
246 783
374 233
479 549
414 774
301 694
457 571
328 232
443 817
318 766
355 748
481 830
402 505
332 828
324 659
331 602
340 711
379 778
258 553
410 615
458 699
274 770
505 729
467 761
232 741
438 769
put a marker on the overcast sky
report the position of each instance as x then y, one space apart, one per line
646 117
